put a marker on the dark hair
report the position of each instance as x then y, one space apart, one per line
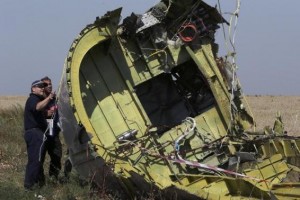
46 78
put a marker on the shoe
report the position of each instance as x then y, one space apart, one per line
28 188
32 188
39 196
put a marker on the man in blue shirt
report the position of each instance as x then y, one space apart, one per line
35 126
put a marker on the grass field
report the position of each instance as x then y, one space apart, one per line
13 155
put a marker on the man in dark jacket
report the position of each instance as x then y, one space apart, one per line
52 144
35 125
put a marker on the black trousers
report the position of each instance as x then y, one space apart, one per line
53 147
34 173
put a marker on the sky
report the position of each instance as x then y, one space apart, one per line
35 36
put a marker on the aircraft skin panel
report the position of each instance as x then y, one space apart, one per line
132 104
136 64
83 45
111 97
210 122
91 110
115 87
93 88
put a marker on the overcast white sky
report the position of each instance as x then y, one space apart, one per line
35 37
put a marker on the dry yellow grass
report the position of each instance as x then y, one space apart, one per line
264 109
9 101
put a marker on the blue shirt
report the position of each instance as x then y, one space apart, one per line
32 117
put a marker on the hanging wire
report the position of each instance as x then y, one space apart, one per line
169 6
61 81
189 129
234 17
231 36
231 54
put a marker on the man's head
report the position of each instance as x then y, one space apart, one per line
37 87
48 88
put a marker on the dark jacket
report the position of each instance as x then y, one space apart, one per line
32 117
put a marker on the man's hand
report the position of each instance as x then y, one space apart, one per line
50 112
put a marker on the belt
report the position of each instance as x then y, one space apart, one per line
31 129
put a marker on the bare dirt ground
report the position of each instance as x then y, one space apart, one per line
263 108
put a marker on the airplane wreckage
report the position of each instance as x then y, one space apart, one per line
147 106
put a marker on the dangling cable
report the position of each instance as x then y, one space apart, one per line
223 28
231 54
234 17
41 147
61 80
188 130
169 6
